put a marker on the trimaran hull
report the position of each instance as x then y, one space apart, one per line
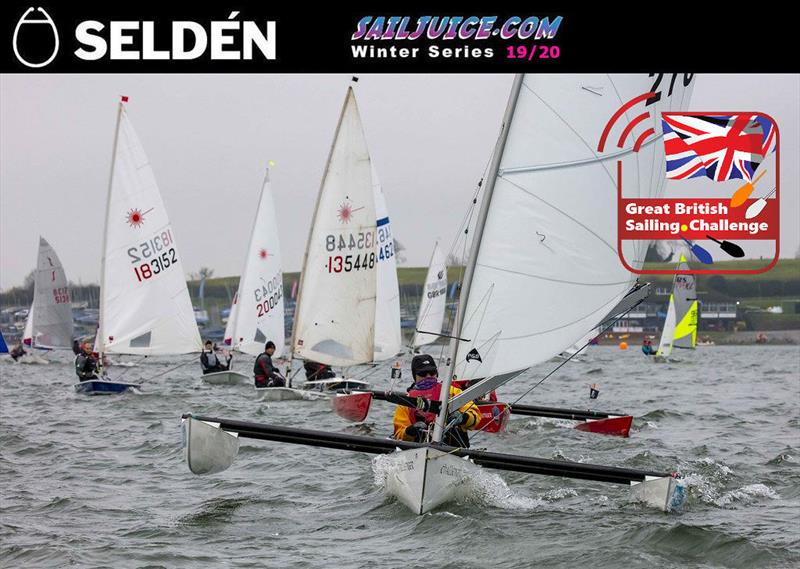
423 477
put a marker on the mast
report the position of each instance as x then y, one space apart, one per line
441 419
100 332
311 227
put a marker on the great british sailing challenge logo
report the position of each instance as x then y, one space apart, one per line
35 38
720 171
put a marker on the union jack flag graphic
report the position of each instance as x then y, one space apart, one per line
720 147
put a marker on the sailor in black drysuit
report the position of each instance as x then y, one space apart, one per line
264 373
210 362
317 371
85 363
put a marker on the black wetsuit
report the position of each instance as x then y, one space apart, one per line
266 374
85 367
317 371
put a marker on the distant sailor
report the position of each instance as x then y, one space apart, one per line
86 363
412 424
17 352
316 371
647 347
266 374
210 362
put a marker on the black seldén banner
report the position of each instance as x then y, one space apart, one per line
266 37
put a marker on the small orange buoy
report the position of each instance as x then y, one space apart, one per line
623 345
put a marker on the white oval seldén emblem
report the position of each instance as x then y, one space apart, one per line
47 20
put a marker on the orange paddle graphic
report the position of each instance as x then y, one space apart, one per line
744 192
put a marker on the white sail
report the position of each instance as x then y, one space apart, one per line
145 304
49 322
680 326
547 269
27 333
227 339
257 314
335 317
434 298
388 335
668 333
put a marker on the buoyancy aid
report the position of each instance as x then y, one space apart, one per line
429 389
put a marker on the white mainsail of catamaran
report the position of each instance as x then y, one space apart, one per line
680 326
145 308
430 316
542 271
257 311
49 324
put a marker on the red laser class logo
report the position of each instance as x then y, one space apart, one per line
721 169
135 217
346 211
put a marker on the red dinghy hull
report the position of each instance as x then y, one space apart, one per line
352 406
494 417
614 426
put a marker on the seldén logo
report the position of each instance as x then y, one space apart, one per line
36 40
40 42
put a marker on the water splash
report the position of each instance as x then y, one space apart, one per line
747 494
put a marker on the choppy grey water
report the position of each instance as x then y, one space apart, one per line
100 481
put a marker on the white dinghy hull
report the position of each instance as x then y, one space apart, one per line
32 359
288 394
425 478
226 378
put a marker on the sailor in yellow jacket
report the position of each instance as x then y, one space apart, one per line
412 424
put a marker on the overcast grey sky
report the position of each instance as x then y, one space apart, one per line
209 137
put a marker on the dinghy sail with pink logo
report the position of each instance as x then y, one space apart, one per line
49 323
257 311
335 315
145 307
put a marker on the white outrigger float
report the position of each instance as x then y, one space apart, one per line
543 269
